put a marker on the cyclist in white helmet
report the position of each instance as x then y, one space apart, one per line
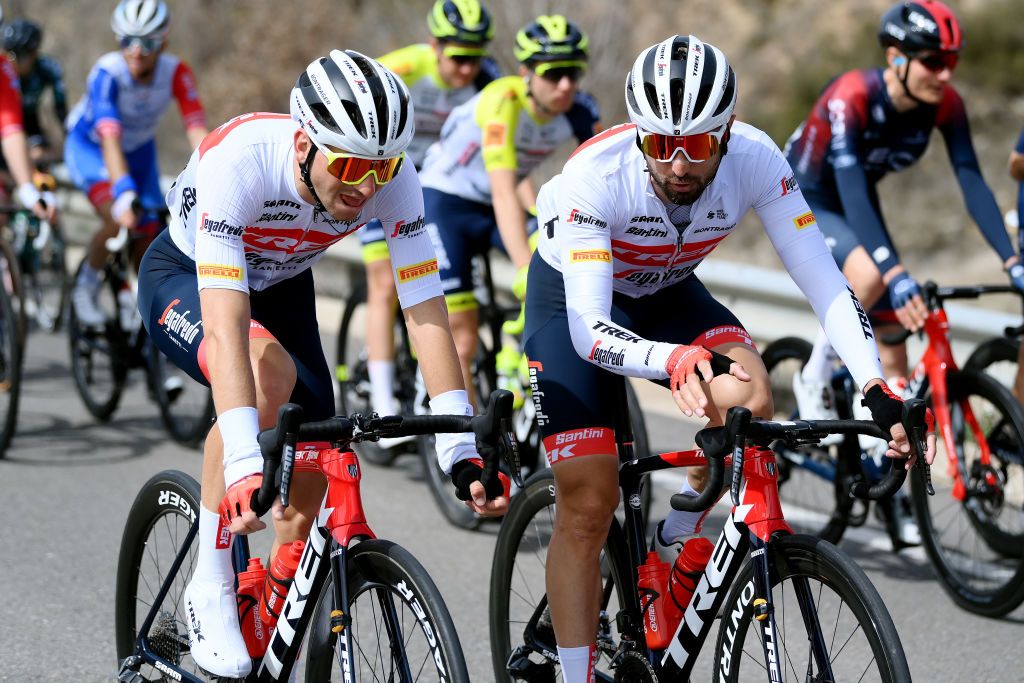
110 149
227 294
612 292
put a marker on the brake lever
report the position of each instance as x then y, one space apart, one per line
738 430
510 451
915 412
287 465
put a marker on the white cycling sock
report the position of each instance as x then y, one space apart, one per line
822 361
679 524
382 383
577 663
213 562
87 276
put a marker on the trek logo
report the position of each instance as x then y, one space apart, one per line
219 227
865 324
605 328
607 356
803 220
402 228
188 202
580 218
789 185
223 536
646 232
179 324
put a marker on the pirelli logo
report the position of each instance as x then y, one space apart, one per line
803 220
583 255
221 271
417 270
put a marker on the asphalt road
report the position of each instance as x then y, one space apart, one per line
67 483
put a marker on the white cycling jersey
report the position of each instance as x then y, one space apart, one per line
246 227
603 227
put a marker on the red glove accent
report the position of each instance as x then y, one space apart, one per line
238 497
506 483
683 363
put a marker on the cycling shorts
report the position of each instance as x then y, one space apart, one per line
84 161
286 311
842 239
574 399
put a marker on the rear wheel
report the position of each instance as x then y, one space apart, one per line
159 522
997 358
99 357
973 529
186 406
10 372
813 582
401 629
41 255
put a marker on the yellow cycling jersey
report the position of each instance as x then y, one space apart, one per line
432 99
495 130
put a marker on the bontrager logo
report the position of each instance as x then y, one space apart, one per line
428 628
580 218
174 499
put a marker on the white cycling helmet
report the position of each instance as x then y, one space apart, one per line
141 18
354 104
681 86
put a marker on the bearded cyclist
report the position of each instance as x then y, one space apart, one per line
110 150
612 292
227 294
864 125
441 75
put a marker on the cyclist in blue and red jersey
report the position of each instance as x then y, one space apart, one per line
864 125
110 149
37 73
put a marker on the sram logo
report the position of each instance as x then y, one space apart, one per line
168 670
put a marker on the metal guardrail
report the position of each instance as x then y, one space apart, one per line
767 301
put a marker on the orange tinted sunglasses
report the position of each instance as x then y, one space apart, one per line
696 148
353 170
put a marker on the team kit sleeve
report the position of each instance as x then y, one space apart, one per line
10 99
847 116
413 261
55 76
981 203
496 114
793 231
101 91
228 194
585 212
186 93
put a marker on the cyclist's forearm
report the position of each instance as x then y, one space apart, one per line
1016 166
113 157
226 344
195 135
981 204
431 338
510 217
15 147
526 193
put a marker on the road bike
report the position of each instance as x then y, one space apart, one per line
101 357
973 530
800 609
371 611
12 343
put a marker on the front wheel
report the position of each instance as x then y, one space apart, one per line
159 523
973 527
400 627
818 595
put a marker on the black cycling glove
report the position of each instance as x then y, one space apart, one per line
886 407
465 472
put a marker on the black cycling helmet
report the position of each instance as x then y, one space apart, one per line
925 25
22 37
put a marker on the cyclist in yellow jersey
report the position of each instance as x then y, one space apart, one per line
440 75
476 186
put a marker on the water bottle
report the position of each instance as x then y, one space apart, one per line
658 611
250 588
279 580
687 570
126 309
506 363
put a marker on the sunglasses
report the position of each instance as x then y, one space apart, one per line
354 170
697 148
556 71
936 62
147 46
464 55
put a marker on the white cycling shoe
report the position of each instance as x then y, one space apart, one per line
815 401
87 309
214 637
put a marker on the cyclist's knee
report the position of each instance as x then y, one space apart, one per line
586 514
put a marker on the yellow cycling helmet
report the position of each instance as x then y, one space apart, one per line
551 38
462 21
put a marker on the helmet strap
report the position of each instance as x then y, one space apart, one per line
304 173
903 81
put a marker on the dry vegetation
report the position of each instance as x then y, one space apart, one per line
247 55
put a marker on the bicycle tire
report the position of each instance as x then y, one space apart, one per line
15 289
805 557
100 390
990 356
186 411
1001 550
11 367
823 506
641 446
517 589
377 565
45 277
163 512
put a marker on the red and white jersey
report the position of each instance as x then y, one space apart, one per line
10 98
604 228
236 211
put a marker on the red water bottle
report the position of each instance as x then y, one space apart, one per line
652 586
250 588
687 570
279 580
